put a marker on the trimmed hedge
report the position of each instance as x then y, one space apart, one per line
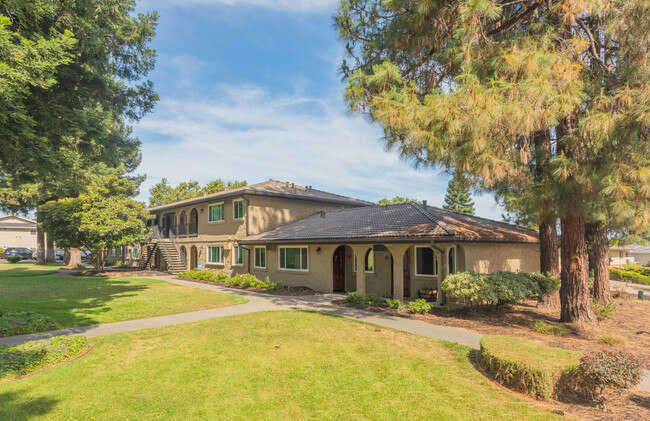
632 273
498 288
527 366
19 360
244 280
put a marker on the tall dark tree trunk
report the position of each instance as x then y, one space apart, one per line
66 256
598 246
574 291
74 260
549 259
40 245
51 257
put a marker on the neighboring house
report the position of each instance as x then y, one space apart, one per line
624 255
16 231
306 237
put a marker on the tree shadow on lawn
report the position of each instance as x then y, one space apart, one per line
71 301
17 407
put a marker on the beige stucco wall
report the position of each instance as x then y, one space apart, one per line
486 258
17 237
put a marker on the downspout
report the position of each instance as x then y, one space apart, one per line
443 266
248 258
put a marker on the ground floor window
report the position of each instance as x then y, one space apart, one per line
260 258
113 252
215 254
237 256
426 262
136 252
369 261
293 258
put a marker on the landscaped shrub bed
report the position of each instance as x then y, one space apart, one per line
24 322
633 273
527 366
246 280
19 360
498 288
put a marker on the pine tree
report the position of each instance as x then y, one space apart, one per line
458 197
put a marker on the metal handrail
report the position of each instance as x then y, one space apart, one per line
172 237
158 235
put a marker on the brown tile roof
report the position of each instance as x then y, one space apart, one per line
272 188
406 221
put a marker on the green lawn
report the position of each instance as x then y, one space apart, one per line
81 301
268 366
14 273
29 265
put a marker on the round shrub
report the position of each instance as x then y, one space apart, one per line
616 370
14 259
420 306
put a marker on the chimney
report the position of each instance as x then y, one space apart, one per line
424 204
322 214
293 185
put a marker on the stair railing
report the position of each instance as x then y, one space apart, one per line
172 237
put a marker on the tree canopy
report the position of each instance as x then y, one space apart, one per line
163 193
458 197
545 102
397 199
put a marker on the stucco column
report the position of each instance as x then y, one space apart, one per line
360 253
397 251
442 275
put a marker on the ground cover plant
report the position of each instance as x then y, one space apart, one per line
613 339
23 322
244 280
19 360
80 301
557 329
632 273
271 365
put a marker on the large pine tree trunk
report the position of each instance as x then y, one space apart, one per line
74 259
51 257
602 291
40 246
574 292
549 259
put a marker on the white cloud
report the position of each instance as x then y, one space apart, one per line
243 132
297 6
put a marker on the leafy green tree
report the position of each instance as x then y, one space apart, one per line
397 199
543 101
78 118
163 193
95 223
458 197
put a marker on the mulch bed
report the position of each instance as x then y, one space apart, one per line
123 273
629 320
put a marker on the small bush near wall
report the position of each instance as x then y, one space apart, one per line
527 366
371 299
420 306
14 259
603 371
352 297
245 280
498 288
396 304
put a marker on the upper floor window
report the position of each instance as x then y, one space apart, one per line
237 256
215 255
238 209
426 262
260 258
215 213
293 258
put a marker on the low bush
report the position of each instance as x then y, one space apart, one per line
420 306
23 322
371 299
527 366
609 370
396 304
14 259
16 361
555 329
613 339
633 273
603 310
352 297
245 280
498 288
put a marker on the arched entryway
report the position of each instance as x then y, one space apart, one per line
184 254
193 224
182 224
338 261
193 258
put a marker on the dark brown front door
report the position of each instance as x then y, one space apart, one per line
339 269
407 273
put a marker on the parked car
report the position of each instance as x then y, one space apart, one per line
23 252
58 254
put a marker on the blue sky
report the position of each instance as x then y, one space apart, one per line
249 90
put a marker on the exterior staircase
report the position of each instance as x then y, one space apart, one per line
170 251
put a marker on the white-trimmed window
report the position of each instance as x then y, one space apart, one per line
215 255
237 256
369 261
215 213
260 258
293 258
426 262
135 252
238 209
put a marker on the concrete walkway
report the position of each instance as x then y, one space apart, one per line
267 302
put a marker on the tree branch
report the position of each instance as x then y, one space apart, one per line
512 22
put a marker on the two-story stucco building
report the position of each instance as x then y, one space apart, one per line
306 237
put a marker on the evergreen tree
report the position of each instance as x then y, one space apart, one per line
545 102
458 197
397 199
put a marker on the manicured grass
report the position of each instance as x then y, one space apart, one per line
29 265
14 273
269 366
81 301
